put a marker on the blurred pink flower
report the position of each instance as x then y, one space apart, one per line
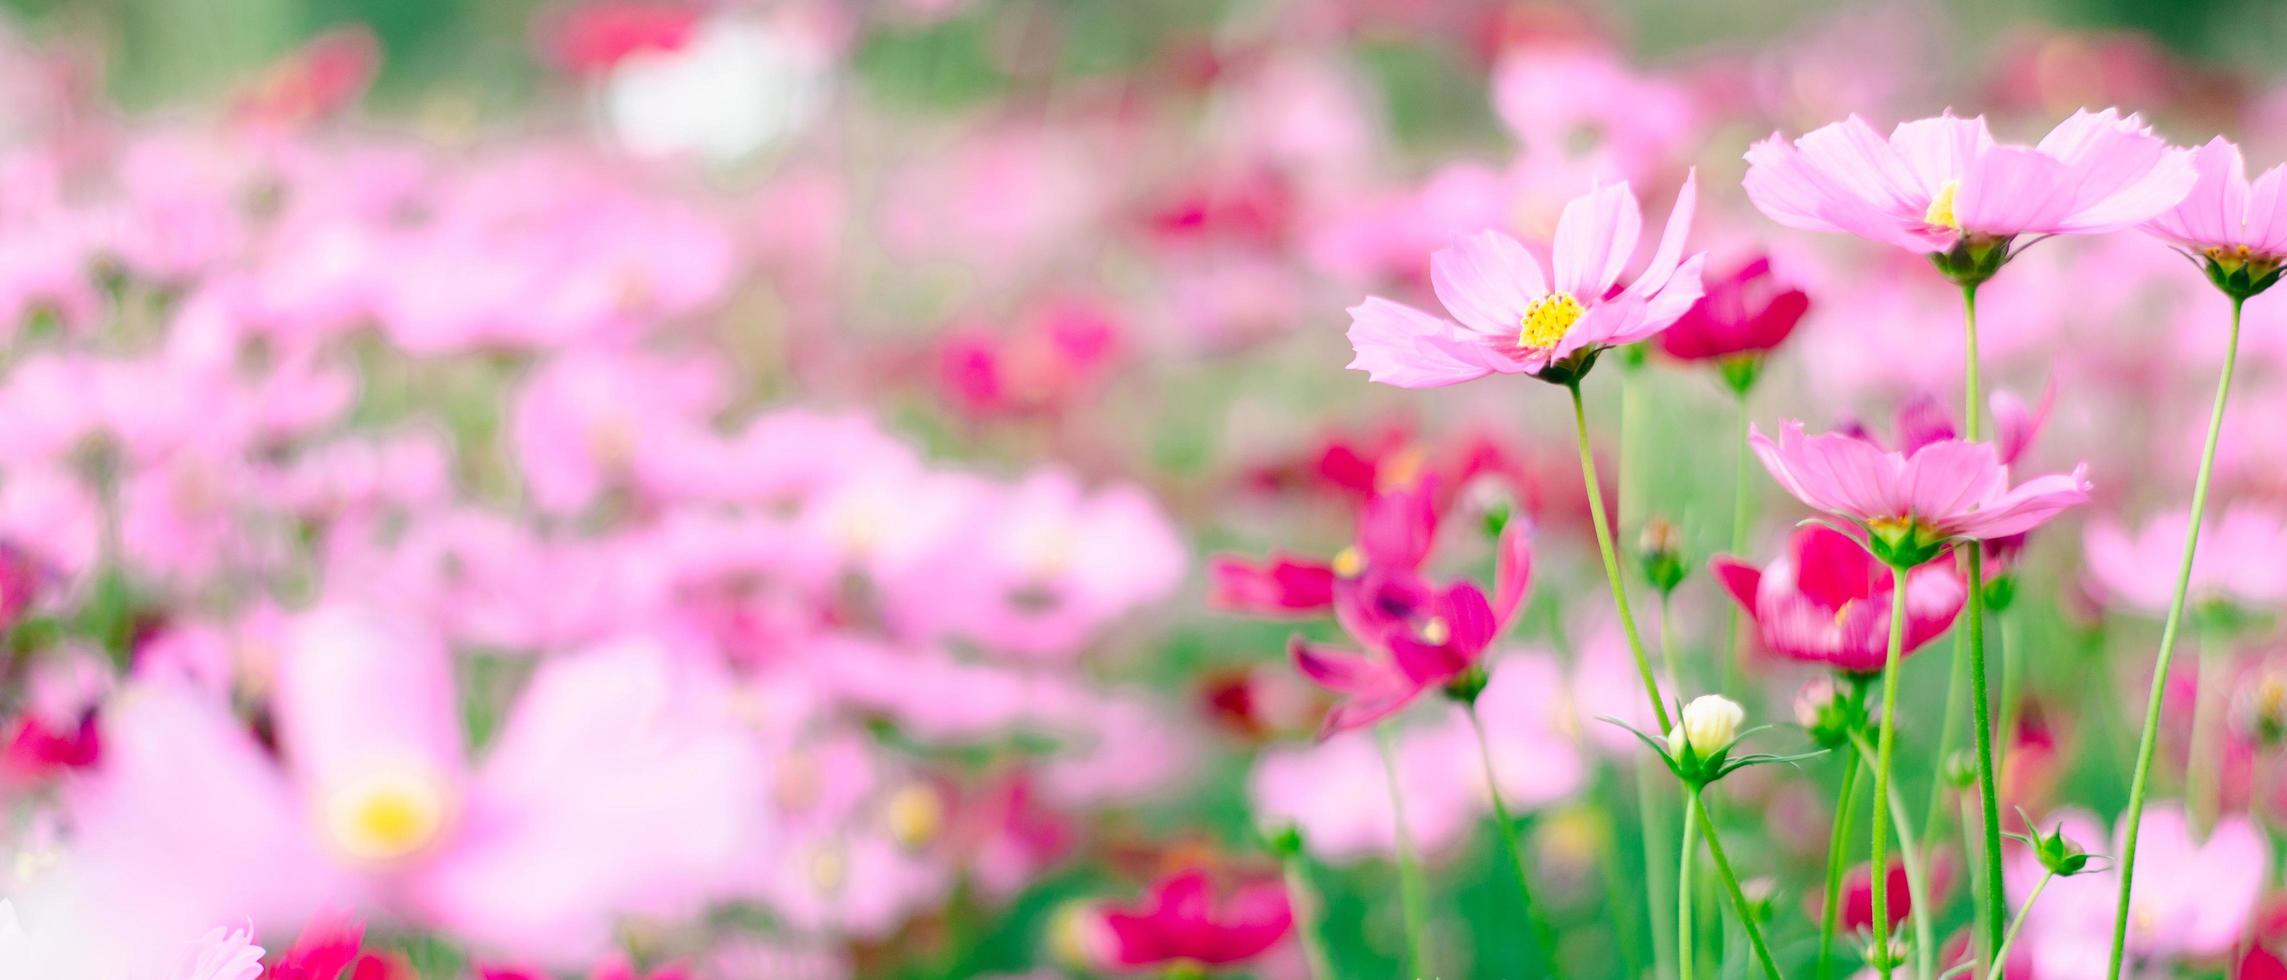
2199 905
1825 600
1749 310
1416 635
2237 560
226 954
1941 491
615 786
1186 920
1512 320
1937 182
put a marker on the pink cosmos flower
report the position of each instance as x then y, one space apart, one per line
1937 183
2238 228
1419 636
2238 560
1512 320
1185 919
1396 529
226 954
618 784
1913 503
1748 310
1825 600
2224 210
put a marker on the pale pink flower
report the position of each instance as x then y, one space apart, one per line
1936 183
226 954
2225 216
1942 491
1512 320
2238 560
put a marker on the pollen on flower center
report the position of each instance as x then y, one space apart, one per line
1547 320
1941 207
386 815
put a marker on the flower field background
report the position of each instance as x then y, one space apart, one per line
664 490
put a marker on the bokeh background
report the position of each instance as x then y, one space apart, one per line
866 387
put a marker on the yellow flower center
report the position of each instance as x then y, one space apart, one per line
1941 207
1349 562
1436 632
915 815
1547 320
386 815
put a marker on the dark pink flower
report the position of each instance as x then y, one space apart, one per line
1184 919
1417 635
1749 310
1825 600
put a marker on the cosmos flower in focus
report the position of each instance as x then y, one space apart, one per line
2236 229
1913 504
1943 187
1513 320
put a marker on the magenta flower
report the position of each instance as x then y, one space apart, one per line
1913 504
1747 311
1185 920
1418 636
1513 320
1825 600
1942 186
2237 229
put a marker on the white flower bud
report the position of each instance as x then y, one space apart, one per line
1708 723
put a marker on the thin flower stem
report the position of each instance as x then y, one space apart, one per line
1730 880
1659 890
1837 851
1612 560
2001 952
2138 786
1668 640
1686 956
1544 939
1410 888
1888 736
1911 855
1742 514
1995 909
1308 915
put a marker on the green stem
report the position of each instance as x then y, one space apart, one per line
1303 896
1837 850
1410 888
1686 957
1659 890
1995 909
1742 514
2001 952
2137 787
1544 939
1887 740
1910 854
1730 880
1612 560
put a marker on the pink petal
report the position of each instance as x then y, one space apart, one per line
1486 281
1594 238
1392 342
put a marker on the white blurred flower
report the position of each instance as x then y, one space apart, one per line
738 87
